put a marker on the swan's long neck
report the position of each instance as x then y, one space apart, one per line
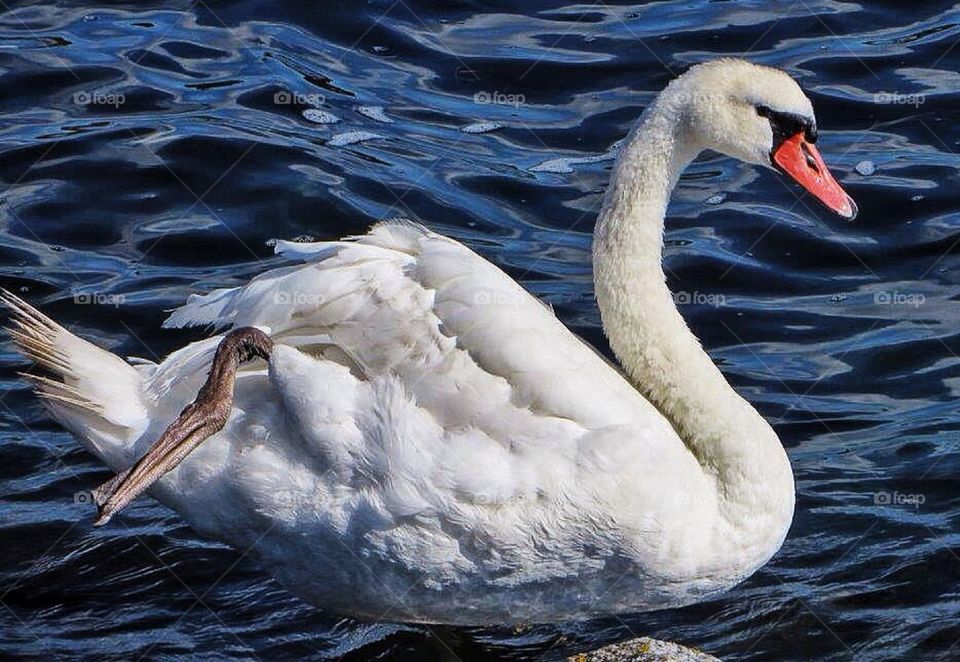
663 358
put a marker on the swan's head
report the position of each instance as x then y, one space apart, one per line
758 115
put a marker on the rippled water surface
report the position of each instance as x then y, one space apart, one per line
152 150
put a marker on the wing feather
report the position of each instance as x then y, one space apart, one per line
407 301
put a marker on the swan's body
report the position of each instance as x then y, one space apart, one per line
427 442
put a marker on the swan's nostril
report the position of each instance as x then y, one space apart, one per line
811 162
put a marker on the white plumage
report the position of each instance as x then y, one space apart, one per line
429 443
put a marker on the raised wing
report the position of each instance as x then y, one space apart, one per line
463 336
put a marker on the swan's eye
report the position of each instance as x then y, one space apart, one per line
786 124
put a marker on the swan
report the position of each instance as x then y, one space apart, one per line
397 429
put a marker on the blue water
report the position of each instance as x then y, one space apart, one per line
152 150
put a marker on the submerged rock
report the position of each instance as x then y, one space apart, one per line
644 649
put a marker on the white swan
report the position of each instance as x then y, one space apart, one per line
427 442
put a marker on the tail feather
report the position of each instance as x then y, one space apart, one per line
60 393
92 392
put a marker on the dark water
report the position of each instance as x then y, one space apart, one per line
146 155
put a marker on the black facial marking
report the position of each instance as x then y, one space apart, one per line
785 125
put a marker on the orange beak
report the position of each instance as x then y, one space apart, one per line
799 159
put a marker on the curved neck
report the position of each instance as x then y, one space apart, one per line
663 358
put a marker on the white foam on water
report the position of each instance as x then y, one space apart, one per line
375 113
481 127
318 116
564 165
352 137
